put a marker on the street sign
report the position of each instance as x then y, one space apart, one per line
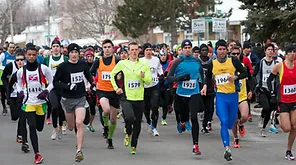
198 25
219 25
46 36
208 19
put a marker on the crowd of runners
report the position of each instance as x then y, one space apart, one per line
66 85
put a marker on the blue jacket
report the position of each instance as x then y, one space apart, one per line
164 67
187 65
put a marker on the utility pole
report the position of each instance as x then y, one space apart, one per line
207 23
9 2
48 22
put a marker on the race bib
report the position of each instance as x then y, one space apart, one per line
289 89
154 78
265 77
240 83
76 77
222 79
133 84
106 76
190 84
34 89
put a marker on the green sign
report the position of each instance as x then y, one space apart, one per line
46 36
208 19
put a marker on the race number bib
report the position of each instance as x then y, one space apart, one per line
106 76
154 78
34 89
133 84
240 83
289 89
222 79
190 84
265 77
76 77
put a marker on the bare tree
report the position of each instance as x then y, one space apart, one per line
91 18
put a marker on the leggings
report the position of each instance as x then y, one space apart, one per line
92 105
17 113
35 122
48 110
57 111
193 105
174 96
151 97
164 101
132 113
3 96
226 109
264 100
208 102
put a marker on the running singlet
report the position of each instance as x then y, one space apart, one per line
287 84
14 69
243 94
104 77
7 59
265 71
221 71
52 64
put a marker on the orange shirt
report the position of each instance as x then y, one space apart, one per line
104 77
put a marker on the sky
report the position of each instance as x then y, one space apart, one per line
237 14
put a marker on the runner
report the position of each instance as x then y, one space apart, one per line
9 81
5 58
31 81
58 115
244 94
107 96
135 73
70 79
151 96
287 101
187 71
223 69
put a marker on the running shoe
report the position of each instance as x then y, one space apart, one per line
195 150
54 134
170 109
183 127
242 130
236 143
110 144
227 154
260 125
155 132
250 119
118 115
149 128
204 131
263 133
188 126
19 139
4 112
90 128
79 156
273 129
64 128
38 158
133 150
48 121
127 140
25 148
59 133
163 122
209 126
179 129
289 155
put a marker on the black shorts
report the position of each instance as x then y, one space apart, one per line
287 107
111 96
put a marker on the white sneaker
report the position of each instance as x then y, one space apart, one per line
64 128
263 133
155 132
59 133
260 125
54 134
149 128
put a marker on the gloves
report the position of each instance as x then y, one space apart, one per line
43 95
185 77
73 87
161 79
273 98
20 95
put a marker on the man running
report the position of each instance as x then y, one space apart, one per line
151 95
188 72
105 91
223 69
70 79
58 115
31 81
287 91
135 73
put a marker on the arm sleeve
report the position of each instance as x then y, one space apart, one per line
1 60
58 77
159 68
269 80
257 69
88 75
6 72
12 81
19 85
209 73
94 67
171 75
249 81
46 61
48 75
201 72
240 68
148 77
113 74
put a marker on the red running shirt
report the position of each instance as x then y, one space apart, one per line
287 84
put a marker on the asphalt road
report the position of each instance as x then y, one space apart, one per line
170 148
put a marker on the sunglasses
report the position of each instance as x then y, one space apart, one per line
19 59
235 53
